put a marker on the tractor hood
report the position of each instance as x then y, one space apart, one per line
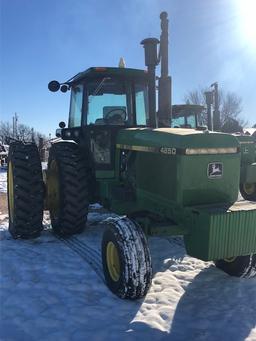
177 140
189 167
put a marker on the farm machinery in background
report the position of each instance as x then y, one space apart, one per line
159 180
193 116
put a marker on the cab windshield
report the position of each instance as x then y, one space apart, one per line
112 101
184 121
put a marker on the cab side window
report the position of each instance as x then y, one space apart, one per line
76 106
191 121
141 102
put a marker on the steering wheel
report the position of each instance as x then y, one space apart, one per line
119 116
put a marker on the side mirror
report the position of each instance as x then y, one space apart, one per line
62 124
54 86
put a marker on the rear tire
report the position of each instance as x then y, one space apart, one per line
248 191
25 191
241 266
67 188
126 259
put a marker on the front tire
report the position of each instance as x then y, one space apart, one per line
126 259
25 191
67 188
248 191
241 266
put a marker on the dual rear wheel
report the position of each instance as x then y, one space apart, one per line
241 266
25 191
66 190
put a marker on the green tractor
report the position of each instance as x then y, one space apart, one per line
187 116
159 180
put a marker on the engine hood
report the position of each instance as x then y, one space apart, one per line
180 139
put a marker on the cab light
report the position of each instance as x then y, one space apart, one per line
76 133
58 133
67 133
205 151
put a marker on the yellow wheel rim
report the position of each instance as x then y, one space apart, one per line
249 188
10 191
230 259
113 261
53 190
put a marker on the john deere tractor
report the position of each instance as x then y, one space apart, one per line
187 116
159 180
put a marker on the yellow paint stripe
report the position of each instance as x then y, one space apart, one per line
246 142
138 148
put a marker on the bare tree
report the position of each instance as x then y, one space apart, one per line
23 133
5 132
231 108
195 97
230 105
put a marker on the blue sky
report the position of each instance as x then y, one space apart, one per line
210 40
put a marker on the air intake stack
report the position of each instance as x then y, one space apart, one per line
164 85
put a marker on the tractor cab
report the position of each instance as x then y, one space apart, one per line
187 116
109 96
103 101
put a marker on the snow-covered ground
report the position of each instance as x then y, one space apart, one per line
53 289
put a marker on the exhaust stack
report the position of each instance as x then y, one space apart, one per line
151 61
164 84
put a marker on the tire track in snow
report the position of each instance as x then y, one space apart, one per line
87 253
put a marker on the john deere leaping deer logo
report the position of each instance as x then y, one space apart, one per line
215 170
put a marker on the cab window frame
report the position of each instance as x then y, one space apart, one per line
82 84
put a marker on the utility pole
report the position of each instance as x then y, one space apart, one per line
216 111
14 125
209 102
32 135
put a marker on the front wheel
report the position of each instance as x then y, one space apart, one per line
241 266
126 259
248 191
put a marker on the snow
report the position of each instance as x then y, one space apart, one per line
53 289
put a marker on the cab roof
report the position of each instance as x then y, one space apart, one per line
187 109
95 72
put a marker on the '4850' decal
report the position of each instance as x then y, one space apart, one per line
168 150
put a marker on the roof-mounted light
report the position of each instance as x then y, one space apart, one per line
55 86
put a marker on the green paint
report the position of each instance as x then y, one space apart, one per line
222 231
248 159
